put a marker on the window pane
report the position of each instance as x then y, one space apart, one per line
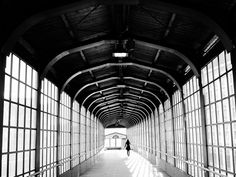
21 116
226 110
12 139
6 113
20 139
8 64
12 164
4 165
22 94
222 63
28 96
7 87
29 75
32 165
19 163
15 66
33 119
219 112
22 71
5 140
33 139
221 134
231 83
216 68
217 89
234 133
13 121
26 161
27 118
35 79
228 140
222 159
14 90
27 139
210 74
229 160
228 61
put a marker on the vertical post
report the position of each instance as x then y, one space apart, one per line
71 134
185 130
159 132
38 120
2 80
58 132
204 135
233 62
173 128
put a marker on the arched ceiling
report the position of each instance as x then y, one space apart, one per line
71 43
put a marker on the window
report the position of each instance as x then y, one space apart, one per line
193 124
76 133
220 113
180 149
65 133
48 128
19 120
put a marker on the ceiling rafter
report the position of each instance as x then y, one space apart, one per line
120 64
120 100
117 105
170 23
69 28
125 94
123 86
117 109
125 78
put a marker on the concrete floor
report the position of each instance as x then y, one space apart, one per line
116 163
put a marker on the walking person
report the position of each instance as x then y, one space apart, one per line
127 146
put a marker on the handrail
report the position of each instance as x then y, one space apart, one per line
68 160
185 161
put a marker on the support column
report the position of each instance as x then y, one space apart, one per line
58 131
185 130
2 80
204 135
71 134
38 120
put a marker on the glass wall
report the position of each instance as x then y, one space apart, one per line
219 101
48 128
194 126
65 133
19 135
179 130
82 134
19 119
168 123
162 133
75 133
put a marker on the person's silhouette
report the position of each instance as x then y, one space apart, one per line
127 146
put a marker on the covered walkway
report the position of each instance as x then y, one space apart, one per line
116 163
164 70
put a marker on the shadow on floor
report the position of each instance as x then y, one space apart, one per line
116 163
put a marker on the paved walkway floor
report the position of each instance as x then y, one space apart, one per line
115 163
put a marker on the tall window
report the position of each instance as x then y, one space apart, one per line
218 88
75 133
193 121
65 132
48 128
162 133
82 134
88 135
19 120
169 132
180 149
